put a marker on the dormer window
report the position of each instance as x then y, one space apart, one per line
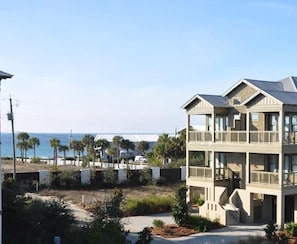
236 101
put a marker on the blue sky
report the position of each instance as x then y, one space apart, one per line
129 66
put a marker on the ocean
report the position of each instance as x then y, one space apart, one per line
44 150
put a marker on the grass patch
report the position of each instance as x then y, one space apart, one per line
148 205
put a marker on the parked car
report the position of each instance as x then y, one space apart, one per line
140 159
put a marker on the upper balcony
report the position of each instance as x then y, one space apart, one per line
267 137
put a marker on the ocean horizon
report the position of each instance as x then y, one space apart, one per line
44 150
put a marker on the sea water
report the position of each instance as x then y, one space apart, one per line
44 150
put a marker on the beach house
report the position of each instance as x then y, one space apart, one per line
243 163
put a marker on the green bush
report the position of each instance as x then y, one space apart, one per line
200 223
197 199
65 179
180 208
110 177
35 160
158 223
291 229
148 205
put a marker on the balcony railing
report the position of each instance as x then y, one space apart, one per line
235 136
262 177
290 179
203 173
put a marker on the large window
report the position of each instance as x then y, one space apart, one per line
272 122
221 123
291 122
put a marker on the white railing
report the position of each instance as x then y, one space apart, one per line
203 173
263 177
236 136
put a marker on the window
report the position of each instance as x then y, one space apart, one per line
255 116
272 122
236 100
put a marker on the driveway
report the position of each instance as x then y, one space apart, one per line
229 234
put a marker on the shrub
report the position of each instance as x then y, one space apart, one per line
65 179
161 181
180 208
35 160
144 236
110 177
200 223
291 229
148 205
197 199
270 231
158 223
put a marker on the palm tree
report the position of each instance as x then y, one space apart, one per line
142 146
78 147
23 144
34 142
64 149
102 144
162 148
127 144
116 141
88 142
55 143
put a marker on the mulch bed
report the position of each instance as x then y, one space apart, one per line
172 231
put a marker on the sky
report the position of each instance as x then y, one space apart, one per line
128 66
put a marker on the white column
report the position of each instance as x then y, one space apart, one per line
247 168
248 127
182 173
280 210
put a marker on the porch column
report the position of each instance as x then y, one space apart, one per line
281 126
213 167
188 123
280 169
243 174
248 127
247 168
280 210
213 121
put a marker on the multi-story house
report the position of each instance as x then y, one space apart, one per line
244 162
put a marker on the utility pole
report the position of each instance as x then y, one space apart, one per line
10 117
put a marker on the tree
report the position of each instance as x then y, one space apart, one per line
78 147
102 144
127 144
33 143
180 208
64 149
55 143
116 141
88 142
23 144
142 146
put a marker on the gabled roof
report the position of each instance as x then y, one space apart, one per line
213 100
288 84
4 75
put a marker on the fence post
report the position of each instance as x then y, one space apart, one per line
122 175
183 173
85 176
155 173
44 177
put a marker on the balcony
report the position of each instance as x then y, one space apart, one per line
270 137
263 177
201 173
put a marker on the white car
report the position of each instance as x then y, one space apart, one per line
140 159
